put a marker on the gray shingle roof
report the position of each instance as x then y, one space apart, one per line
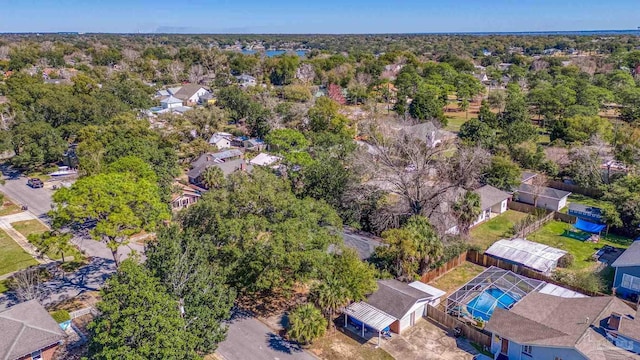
630 257
187 91
546 192
395 298
25 328
490 196
547 320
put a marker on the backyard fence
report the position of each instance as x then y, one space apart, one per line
470 332
594 193
445 268
534 226
81 312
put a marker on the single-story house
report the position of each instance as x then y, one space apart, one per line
493 202
395 306
527 177
191 94
535 256
186 196
216 159
585 212
543 197
171 102
254 144
542 326
264 159
28 332
246 80
221 140
627 277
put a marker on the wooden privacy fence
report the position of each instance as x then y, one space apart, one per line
595 193
471 333
450 265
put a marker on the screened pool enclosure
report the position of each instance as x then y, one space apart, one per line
495 287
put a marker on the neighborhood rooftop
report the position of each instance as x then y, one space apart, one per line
490 196
630 257
396 298
544 191
25 328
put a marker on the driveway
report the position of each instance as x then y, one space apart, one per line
426 341
248 338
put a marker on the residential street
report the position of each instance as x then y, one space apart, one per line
37 200
248 338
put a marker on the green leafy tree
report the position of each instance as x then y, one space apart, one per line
213 178
179 260
36 144
53 242
467 209
322 114
503 173
477 133
138 320
428 105
610 216
306 324
285 140
121 204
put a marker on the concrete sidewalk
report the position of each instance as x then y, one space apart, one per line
5 224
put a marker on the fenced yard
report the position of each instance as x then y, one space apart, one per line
457 277
500 227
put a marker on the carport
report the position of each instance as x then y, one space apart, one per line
368 316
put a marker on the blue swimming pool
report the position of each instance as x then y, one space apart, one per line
482 306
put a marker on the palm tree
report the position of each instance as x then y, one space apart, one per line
428 245
213 178
306 324
467 210
330 295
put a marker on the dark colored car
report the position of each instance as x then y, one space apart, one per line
35 183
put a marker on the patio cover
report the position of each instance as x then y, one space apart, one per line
589 226
369 315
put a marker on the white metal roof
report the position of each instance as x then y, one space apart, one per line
528 253
555 290
264 159
369 315
434 292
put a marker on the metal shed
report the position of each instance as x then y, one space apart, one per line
538 257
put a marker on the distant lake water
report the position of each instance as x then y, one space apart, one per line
273 53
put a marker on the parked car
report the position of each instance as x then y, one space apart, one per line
35 183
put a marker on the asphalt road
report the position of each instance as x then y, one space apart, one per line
38 200
248 338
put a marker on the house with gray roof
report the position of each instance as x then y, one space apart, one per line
395 306
627 277
493 202
228 161
543 326
542 196
27 331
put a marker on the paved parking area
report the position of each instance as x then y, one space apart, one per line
426 341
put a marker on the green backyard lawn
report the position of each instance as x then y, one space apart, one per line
457 277
500 227
551 234
454 122
12 256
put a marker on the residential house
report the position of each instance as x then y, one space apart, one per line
624 331
254 144
427 132
527 177
543 326
245 80
533 255
191 94
543 197
395 306
627 276
228 161
171 102
264 159
28 332
493 202
221 140
185 196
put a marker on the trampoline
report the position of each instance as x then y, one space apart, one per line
482 306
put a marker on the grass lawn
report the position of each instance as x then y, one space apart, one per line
8 208
455 121
3 286
12 257
500 227
585 200
29 227
457 277
338 346
551 234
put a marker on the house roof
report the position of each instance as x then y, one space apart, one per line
370 315
425 131
264 159
533 255
364 244
630 327
527 175
396 298
25 328
171 100
187 91
630 257
561 322
490 196
545 192
217 137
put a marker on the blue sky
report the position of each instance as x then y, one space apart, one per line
316 16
